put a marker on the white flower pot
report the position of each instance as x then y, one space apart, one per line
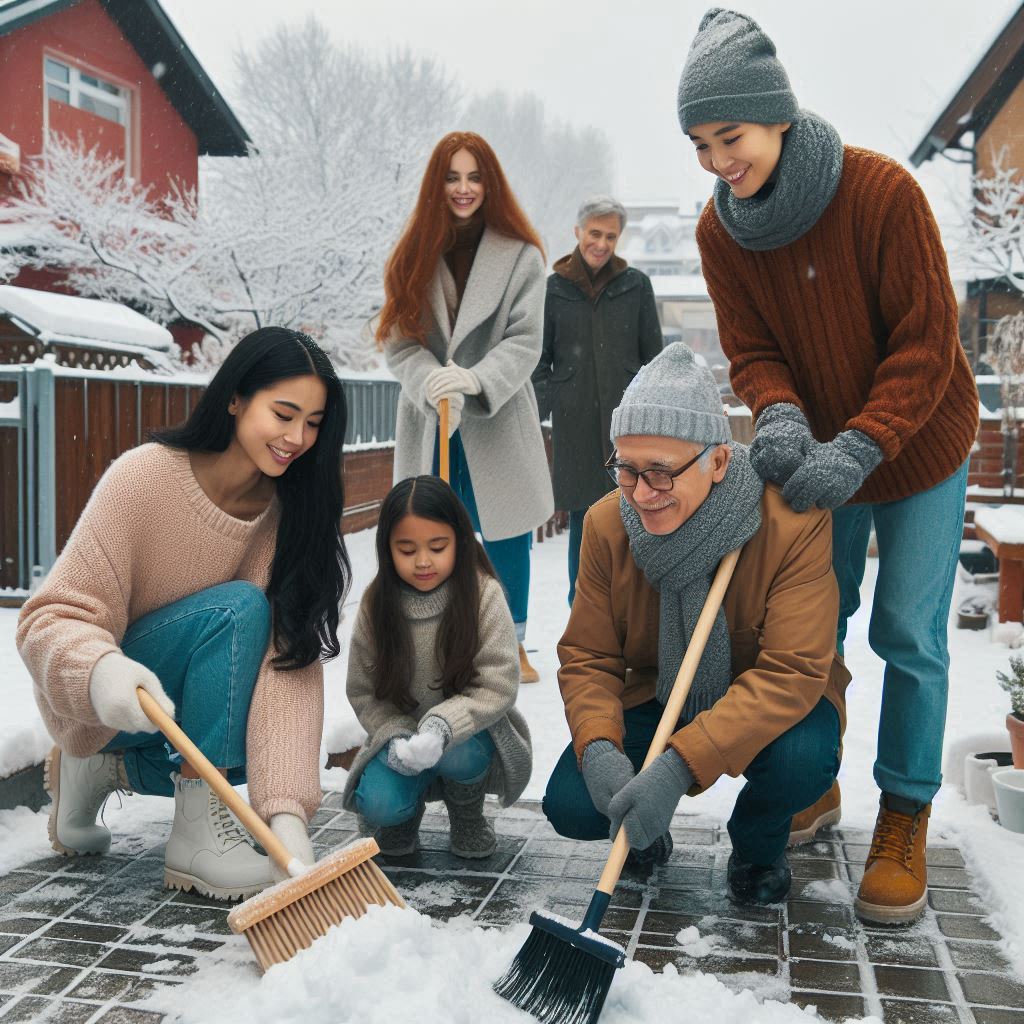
978 769
1009 787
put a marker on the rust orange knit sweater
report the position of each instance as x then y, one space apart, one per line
855 323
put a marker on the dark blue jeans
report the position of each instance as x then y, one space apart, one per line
206 650
576 517
788 775
510 557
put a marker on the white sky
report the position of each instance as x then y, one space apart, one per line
880 70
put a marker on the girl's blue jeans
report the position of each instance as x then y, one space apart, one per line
510 557
790 773
385 797
206 650
918 547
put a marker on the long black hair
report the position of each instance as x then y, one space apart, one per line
458 639
310 574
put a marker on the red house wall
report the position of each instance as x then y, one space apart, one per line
162 145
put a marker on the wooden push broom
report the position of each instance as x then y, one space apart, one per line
293 914
562 974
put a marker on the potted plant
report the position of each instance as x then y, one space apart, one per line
1014 685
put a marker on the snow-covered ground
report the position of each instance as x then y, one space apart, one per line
977 708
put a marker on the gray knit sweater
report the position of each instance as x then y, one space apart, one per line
488 704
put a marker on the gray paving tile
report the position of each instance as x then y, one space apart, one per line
128 1015
831 1007
989 1015
977 956
992 990
822 976
955 926
911 1012
61 951
32 1008
817 942
38 979
912 983
900 950
955 901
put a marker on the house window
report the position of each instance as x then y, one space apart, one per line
66 83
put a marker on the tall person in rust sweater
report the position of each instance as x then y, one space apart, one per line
209 569
836 311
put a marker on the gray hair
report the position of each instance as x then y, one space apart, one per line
600 206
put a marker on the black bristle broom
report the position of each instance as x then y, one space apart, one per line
562 974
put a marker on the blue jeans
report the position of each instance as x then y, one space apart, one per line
385 797
576 517
510 557
918 546
206 650
790 773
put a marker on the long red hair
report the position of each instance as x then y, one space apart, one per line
431 231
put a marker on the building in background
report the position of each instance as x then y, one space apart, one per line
660 239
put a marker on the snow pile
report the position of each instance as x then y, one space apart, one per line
381 966
23 838
696 945
832 891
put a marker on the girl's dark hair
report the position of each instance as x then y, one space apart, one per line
310 574
458 640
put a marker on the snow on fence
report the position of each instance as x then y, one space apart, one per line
60 427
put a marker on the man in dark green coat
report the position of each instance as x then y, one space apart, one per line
600 326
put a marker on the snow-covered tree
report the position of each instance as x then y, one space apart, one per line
1006 357
993 229
552 167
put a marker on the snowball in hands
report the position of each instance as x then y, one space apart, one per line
112 692
424 749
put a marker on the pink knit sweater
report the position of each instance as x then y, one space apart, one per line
148 537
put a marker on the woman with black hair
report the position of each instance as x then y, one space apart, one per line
433 674
209 569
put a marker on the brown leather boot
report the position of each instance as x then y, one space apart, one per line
826 810
527 673
894 889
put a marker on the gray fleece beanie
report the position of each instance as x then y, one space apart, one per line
732 74
673 397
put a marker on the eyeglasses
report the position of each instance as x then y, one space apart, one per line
656 479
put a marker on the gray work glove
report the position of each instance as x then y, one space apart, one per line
644 806
782 440
606 769
833 472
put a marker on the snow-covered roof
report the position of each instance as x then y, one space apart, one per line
680 287
68 318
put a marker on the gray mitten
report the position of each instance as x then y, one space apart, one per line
833 472
394 761
606 769
644 806
782 439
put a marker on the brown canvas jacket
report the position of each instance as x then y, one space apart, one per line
781 606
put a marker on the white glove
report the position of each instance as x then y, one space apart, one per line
292 831
423 750
450 380
112 692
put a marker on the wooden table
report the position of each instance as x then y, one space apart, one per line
1002 529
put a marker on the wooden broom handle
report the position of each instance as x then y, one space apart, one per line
259 830
443 413
674 705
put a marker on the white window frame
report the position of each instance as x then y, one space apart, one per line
76 88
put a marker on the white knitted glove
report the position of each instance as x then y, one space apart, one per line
292 831
450 380
426 747
112 692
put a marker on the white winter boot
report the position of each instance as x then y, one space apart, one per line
208 850
79 786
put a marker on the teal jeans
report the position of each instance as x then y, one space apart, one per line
206 650
918 547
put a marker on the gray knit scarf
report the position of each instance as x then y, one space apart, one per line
808 176
681 566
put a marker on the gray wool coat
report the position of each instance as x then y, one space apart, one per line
591 352
497 335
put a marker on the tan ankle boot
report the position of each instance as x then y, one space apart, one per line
826 810
527 673
894 889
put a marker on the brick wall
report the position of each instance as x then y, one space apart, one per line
367 481
986 466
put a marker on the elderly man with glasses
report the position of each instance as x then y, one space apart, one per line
767 701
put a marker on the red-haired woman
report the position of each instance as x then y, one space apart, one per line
463 319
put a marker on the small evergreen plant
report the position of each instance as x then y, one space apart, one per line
1014 685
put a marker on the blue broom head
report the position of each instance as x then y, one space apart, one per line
562 974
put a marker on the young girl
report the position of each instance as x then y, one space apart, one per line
836 311
463 319
433 673
207 568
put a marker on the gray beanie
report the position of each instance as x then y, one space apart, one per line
732 74
673 397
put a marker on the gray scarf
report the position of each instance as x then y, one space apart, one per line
808 176
680 566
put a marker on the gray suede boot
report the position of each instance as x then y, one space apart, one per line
403 838
471 833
